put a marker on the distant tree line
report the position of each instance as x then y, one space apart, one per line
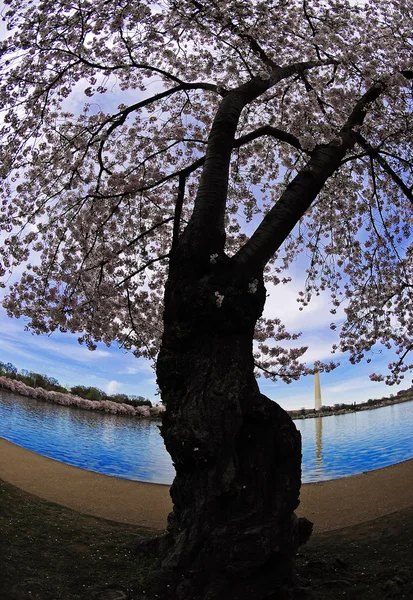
352 407
51 384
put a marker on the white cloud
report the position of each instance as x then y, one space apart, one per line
282 304
131 371
347 385
112 387
14 339
318 349
8 348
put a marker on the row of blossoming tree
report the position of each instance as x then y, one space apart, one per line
67 399
35 385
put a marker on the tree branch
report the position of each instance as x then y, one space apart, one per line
143 66
119 118
375 153
145 266
279 134
235 29
303 189
274 132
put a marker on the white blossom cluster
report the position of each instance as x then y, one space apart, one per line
219 299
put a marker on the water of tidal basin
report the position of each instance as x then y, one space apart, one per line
133 449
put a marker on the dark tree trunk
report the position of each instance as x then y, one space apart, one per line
233 533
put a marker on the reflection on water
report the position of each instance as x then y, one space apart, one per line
356 442
133 449
115 445
319 444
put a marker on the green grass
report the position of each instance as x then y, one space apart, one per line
369 561
48 552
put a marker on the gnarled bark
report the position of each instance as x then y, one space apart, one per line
233 532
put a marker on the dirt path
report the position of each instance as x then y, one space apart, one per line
330 504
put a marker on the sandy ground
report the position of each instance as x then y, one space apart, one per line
330 504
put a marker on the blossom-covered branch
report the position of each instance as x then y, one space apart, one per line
136 127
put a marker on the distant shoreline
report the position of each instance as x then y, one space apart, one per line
73 401
155 412
343 409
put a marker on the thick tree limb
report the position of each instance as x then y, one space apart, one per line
210 201
275 132
303 189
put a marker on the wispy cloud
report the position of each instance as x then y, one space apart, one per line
66 351
282 304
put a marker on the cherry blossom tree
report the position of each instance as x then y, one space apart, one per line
161 162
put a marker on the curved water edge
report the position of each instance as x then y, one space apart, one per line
133 449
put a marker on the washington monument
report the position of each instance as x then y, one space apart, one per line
317 391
